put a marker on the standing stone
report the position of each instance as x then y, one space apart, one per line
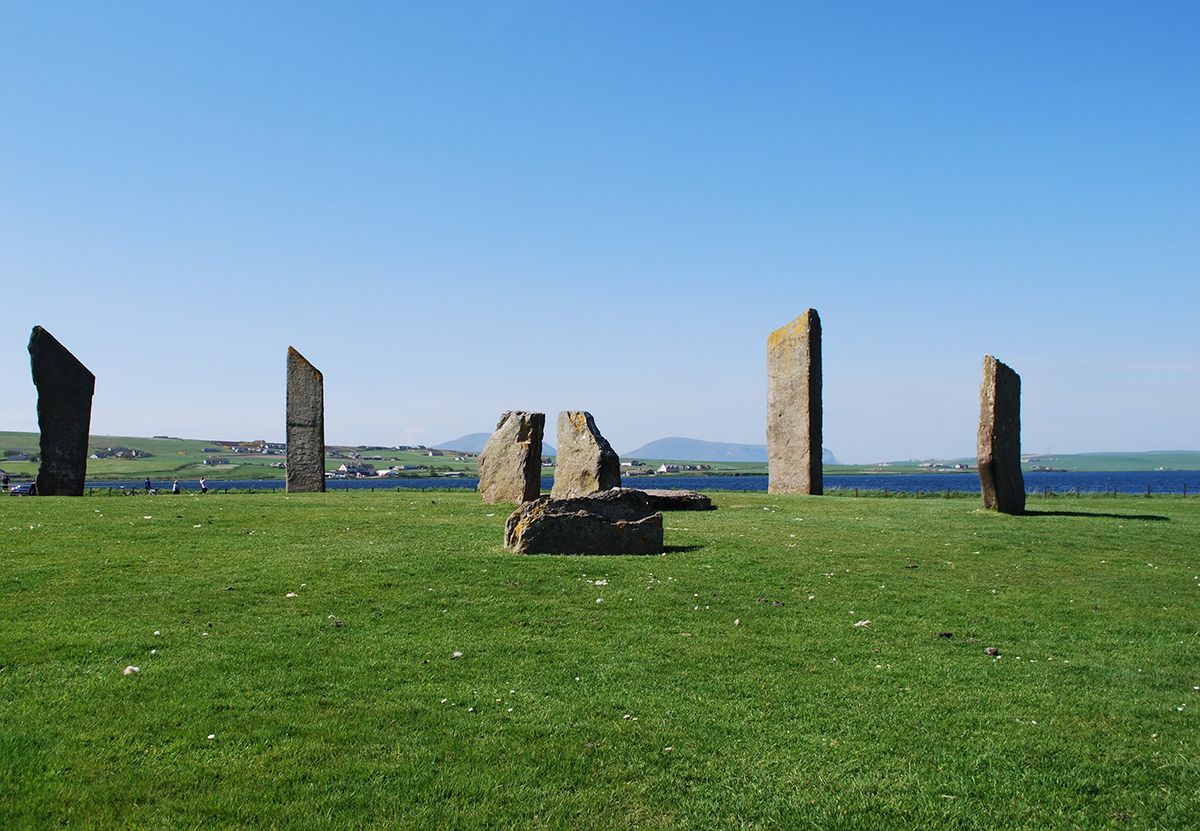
999 445
64 407
794 407
305 425
510 466
586 462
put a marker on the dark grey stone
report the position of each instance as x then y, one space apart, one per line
999 444
510 466
586 462
305 425
608 522
671 500
65 387
794 407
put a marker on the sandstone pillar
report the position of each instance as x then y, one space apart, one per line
794 407
305 425
586 462
64 407
998 448
510 466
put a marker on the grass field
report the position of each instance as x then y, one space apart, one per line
297 666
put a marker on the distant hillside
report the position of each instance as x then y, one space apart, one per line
474 442
695 450
1144 460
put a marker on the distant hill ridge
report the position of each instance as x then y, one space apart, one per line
677 448
474 442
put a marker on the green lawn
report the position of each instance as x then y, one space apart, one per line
722 685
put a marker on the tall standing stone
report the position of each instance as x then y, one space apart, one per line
305 425
64 407
586 462
794 407
510 466
999 445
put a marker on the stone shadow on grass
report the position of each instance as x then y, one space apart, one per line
680 549
1092 515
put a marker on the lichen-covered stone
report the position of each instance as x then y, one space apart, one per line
609 522
794 407
305 425
510 466
998 449
586 462
65 387
662 499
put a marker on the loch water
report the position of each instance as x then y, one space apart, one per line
1036 483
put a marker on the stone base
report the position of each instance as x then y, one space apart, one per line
607 522
673 500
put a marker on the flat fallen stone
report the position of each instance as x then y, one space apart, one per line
998 448
586 462
305 425
65 387
608 522
510 466
794 463
662 499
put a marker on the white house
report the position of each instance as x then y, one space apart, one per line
357 469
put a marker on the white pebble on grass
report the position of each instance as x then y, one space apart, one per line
291 594
211 736
130 670
862 624
456 654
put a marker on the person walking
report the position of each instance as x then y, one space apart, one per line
175 487
6 480
149 487
203 485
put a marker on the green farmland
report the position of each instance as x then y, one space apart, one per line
297 666
185 459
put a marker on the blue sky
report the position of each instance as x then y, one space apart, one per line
454 209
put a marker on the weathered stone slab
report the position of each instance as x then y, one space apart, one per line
662 499
608 522
586 462
510 466
65 387
998 448
305 425
794 407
